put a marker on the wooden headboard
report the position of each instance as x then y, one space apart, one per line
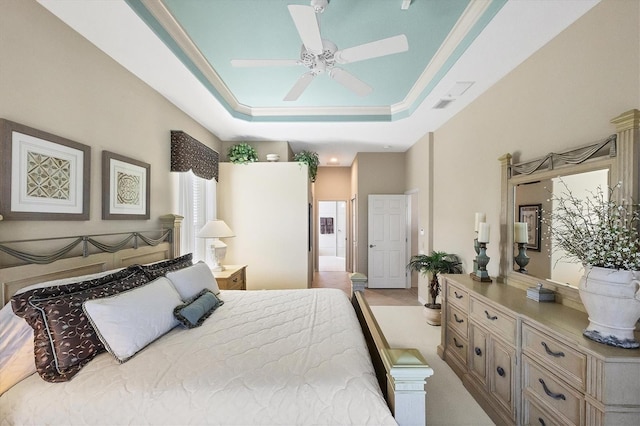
141 247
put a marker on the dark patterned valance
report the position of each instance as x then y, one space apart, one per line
189 154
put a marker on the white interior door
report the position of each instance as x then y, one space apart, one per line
387 241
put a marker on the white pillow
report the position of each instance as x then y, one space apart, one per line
129 321
16 336
190 281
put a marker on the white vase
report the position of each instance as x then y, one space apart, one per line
612 300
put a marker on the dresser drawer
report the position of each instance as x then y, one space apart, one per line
551 352
458 297
458 321
458 346
536 416
554 393
236 281
501 324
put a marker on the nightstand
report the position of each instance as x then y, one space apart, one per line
234 277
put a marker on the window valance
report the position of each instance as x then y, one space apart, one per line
188 153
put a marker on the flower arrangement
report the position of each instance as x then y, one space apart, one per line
242 153
596 230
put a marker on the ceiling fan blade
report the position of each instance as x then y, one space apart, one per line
304 17
300 86
350 82
375 49
245 63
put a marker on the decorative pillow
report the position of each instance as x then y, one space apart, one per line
16 336
129 321
192 314
159 269
64 340
192 280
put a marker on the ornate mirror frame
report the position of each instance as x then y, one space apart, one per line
618 153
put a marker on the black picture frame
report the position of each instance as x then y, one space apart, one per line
531 214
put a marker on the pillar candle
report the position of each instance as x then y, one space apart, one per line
483 232
520 232
480 217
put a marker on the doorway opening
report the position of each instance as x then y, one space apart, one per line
332 236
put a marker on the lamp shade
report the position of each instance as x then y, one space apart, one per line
215 229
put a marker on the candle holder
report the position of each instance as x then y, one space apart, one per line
476 247
483 260
522 259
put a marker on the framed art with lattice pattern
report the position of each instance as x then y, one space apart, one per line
125 187
42 176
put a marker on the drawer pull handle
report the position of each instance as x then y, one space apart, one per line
458 296
550 352
458 345
478 351
542 423
500 371
458 320
551 394
492 318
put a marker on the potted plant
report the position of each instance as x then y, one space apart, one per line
601 232
309 158
438 262
242 153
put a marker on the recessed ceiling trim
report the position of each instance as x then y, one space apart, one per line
162 15
472 14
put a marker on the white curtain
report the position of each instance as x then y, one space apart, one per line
197 205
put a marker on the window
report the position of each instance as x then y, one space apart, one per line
197 205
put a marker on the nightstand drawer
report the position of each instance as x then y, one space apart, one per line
232 278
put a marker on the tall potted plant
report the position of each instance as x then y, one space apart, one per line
602 233
438 262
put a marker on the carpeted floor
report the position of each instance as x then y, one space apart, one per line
448 402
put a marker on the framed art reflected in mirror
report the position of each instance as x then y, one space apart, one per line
531 214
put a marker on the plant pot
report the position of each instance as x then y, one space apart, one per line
611 298
433 315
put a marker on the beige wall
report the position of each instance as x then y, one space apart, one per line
266 206
377 173
54 80
561 97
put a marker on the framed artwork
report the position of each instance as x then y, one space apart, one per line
42 176
125 187
531 214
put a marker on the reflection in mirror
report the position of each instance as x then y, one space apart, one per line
546 261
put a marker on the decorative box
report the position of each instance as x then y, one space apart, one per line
540 294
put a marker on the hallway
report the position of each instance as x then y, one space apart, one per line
375 297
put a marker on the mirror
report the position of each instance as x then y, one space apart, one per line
546 261
528 189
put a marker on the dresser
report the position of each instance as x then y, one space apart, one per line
234 277
527 362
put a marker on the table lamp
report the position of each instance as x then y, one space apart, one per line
216 229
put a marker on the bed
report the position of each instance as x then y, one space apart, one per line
257 357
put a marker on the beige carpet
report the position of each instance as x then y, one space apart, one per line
448 402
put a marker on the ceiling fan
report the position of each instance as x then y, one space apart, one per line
321 55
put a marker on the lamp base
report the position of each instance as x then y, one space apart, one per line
217 268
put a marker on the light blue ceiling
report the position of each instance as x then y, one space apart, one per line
223 30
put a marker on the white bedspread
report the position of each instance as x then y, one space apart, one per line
277 357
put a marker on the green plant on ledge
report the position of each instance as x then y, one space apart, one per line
242 153
309 158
